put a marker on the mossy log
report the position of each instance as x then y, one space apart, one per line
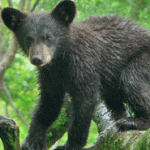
109 137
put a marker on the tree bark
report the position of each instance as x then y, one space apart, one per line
9 133
7 59
109 137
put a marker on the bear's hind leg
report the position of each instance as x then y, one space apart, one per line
136 85
114 99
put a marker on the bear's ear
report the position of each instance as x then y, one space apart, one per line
12 18
65 12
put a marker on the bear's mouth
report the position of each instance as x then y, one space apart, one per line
40 54
46 66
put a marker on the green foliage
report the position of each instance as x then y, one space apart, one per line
111 142
62 119
134 10
144 143
58 128
93 134
20 80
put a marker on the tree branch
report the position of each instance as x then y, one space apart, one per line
1 27
35 5
140 5
2 48
21 5
28 5
14 107
10 3
60 126
9 133
8 57
109 138
44 3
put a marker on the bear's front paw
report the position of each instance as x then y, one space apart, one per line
33 146
25 146
67 148
60 148
126 124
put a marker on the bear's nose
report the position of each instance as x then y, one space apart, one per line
36 60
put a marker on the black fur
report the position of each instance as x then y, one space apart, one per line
102 57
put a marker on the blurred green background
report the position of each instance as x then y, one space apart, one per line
20 78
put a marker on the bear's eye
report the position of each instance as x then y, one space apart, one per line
48 37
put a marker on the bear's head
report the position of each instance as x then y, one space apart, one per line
39 34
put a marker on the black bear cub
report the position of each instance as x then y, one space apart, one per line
100 58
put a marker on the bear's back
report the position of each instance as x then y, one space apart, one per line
113 23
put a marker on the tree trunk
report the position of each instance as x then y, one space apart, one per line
109 137
9 133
